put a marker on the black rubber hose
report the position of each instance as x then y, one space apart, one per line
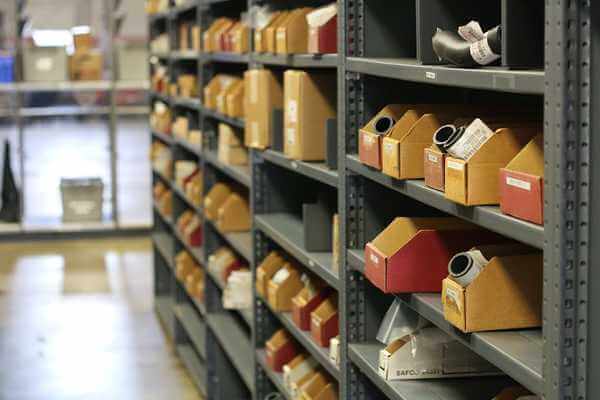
450 47
446 136
383 124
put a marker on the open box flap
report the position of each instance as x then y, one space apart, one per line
530 160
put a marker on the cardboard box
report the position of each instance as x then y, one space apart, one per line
514 393
322 30
234 215
475 181
217 85
507 294
270 31
184 264
292 36
230 150
86 66
263 93
324 321
196 37
430 354
370 137
208 37
298 372
522 183
260 37
309 101
192 280
402 148
184 36
306 301
188 85
434 167
180 127
235 89
280 349
412 254
240 38
82 40
234 101
193 232
214 199
284 285
318 387
265 271
219 34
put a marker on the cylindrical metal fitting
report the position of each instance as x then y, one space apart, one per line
464 267
383 124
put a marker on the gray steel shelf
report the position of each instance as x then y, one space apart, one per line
190 5
356 259
195 367
297 60
240 173
236 345
164 245
177 190
199 306
167 139
275 377
196 150
184 55
489 217
225 57
193 325
165 180
237 122
240 241
489 78
366 357
518 352
158 16
321 354
160 96
288 232
164 309
315 170
188 102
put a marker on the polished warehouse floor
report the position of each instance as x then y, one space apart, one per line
77 323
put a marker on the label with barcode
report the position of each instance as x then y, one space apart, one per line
482 53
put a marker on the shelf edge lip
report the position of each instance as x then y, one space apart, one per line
178 311
329 177
179 349
244 179
246 253
411 71
324 273
304 60
485 216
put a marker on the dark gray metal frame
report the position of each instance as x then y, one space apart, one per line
554 362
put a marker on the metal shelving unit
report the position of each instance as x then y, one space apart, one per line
554 361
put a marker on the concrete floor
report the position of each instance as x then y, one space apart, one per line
77 323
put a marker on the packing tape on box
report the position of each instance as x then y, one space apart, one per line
464 267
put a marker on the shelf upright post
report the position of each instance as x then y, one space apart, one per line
571 209
114 187
19 4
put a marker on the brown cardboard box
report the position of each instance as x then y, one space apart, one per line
86 65
322 30
318 388
324 321
196 38
507 294
184 36
402 149
299 373
522 183
214 199
173 89
265 271
240 38
220 34
512 393
291 37
371 135
309 101
475 181
280 349
208 37
180 127
217 84
188 85
83 42
234 215
263 93
434 167
284 285
271 31
230 150
234 101
260 38
184 264
225 91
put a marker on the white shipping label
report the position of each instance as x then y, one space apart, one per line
518 183
482 52
455 165
374 259
471 32
475 135
292 111
388 147
432 157
280 276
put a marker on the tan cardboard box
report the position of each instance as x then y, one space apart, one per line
507 294
292 36
233 155
234 101
217 84
318 387
188 85
86 65
180 127
260 37
208 37
214 199
324 321
196 38
283 286
219 34
240 39
227 136
83 42
434 167
184 36
263 93
271 31
234 214
309 101
227 89
265 271
475 181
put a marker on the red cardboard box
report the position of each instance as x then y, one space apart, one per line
412 254
305 302
324 323
522 183
281 349
322 30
